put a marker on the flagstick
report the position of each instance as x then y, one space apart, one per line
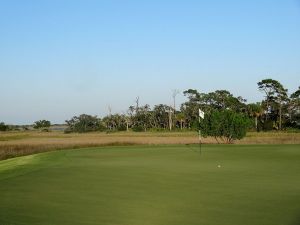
199 133
201 115
200 142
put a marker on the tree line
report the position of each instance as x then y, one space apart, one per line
226 115
276 111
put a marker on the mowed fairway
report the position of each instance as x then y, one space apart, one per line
154 185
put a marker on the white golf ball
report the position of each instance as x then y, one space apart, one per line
219 166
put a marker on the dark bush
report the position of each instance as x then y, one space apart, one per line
3 127
138 129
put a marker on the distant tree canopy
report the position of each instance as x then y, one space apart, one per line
3 127
218 100
42 124
276 98
84 123
227 117
294 109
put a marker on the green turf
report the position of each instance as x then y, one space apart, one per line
144 185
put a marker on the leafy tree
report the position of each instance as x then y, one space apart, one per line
276 97
181 118
255 111
296 94
223 99
42 124
217 100
294 108
226 125
282 101
142 119
3 127
267 86
161 116
192 94
190 108
84 123
116 122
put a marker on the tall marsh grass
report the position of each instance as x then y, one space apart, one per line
13 144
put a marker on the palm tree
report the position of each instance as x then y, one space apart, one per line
255 110
181 118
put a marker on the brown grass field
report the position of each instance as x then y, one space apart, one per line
14 144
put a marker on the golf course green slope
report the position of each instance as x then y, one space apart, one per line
154 185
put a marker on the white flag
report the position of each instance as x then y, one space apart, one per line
201 114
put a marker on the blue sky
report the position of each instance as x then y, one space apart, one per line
63 58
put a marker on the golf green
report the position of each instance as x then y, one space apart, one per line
154 185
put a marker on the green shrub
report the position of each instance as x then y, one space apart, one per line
84 123
268 125
138 129
225 124
3 127
42 124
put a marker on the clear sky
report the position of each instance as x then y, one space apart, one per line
63 58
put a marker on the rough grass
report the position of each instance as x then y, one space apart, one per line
162 185
10 137
14 144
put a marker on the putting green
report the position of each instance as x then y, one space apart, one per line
141 185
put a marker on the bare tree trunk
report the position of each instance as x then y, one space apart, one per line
137 100
170 120
217 140
174 93
109 110
256 123
267 114
280 116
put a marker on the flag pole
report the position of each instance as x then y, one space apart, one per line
201 115
200 142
